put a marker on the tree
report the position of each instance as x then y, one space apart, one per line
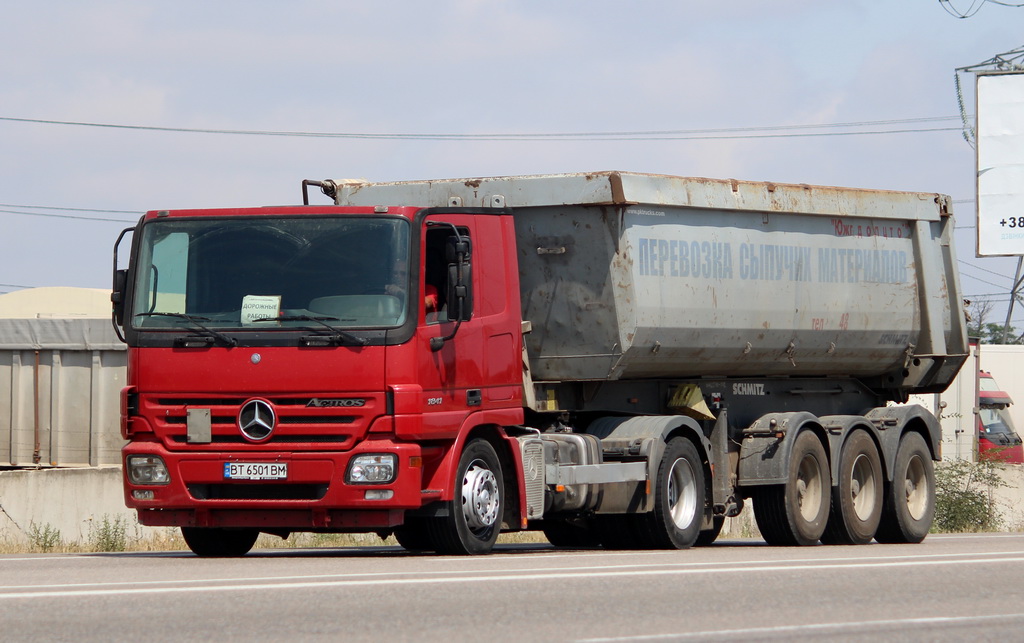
989 332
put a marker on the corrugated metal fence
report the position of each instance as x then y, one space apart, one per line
60 381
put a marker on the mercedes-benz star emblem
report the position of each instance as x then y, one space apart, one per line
256 420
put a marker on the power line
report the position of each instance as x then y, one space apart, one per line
691 134
55 207
66 216
975 7
991 272
987 283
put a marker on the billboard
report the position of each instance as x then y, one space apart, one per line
1000 163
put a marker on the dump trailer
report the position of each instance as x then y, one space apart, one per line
613 358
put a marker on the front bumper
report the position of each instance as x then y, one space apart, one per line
313 496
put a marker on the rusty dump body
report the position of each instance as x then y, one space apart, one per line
638 276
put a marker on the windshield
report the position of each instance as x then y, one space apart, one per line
996 421
987 383
265 273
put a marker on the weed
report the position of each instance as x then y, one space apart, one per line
109 534
45 538
747 526
963 496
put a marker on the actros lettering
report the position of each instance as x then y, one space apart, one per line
325 402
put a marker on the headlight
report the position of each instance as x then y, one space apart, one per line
147 469
372 469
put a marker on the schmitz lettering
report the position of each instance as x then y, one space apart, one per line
748 388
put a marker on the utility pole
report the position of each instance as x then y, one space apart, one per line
997 165
1014 293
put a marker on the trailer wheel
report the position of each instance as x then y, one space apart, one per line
909 506
795 513
678 500
474 515
219 542
857 499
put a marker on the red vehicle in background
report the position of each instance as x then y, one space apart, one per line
997 438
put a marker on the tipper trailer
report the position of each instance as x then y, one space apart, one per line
613 358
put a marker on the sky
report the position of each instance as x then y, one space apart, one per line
777 76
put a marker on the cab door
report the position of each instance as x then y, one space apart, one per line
473 364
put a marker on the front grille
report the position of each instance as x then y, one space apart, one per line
275 491
200 401
303 422
533 471
274 439
230 420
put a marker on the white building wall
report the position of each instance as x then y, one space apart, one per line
958 418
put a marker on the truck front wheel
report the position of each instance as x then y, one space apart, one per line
413 535
219 542
474 515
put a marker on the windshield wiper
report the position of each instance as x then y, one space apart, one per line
337 334
196 326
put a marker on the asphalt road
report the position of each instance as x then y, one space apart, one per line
949 588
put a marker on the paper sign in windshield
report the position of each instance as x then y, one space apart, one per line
260 307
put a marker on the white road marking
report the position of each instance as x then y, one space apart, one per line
800 563
822 628
308 582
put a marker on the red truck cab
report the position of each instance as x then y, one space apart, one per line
997 438
293 368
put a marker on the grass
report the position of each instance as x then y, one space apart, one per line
961 494
964 496
119 534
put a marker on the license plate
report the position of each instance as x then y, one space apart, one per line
255 470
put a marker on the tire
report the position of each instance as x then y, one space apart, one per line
413 536
796 513
474 515
709 536
566 534
909 506
678 500
219 542
857 499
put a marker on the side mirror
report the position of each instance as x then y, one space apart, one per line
117 295
460 293
460 279
459 286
